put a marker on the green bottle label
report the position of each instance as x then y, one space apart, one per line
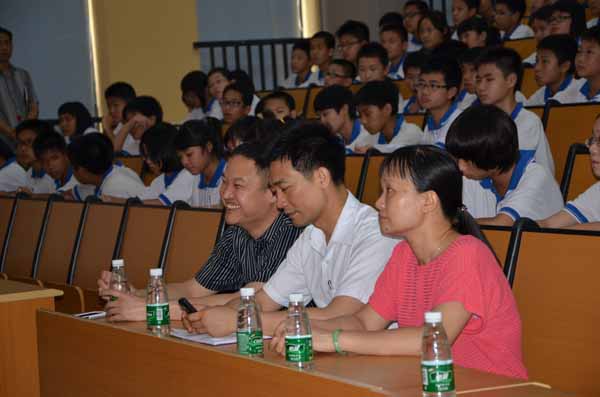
298 349
250 343
157 314
438 376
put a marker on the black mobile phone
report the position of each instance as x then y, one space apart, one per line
186 306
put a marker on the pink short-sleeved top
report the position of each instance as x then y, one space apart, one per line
466 272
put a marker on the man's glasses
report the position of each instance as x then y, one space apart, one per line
422 85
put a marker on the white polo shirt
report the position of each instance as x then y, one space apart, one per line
206 194
347 265
89 130
543 95
464 100
435 134
397 71
414 45
70 183
39 182
532 137
532 193
360 137
586 207
593 22
12 176
194 114
531 59
168 189
292 80
581 94
213 109
520 32
253 105
404 134
131 146
119 181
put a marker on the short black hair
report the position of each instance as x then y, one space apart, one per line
121 90
7 32
543 13
470 56
51 140
472 4
94 152
146 105
158 145
6 152
504 58
83 118
35 125
253 129
302 45
199 133
577 13
357 29
592 34
309 146
563 46
391 18
195 81
414 60
256 152
486 136
327 37
335 97
239 75
480 25
373 50
447 67
279 94
222 71
349 68
518 6
245 90
420 4
438 20
379 93
398 29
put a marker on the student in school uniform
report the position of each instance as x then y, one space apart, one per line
475 32
594 8
412 70
336 108
139 115
395 41
9 180
373 65
92 159
193 95
241 76
444 265
467 95
301 76
117 96
339 255
502 183
36 180
413 11
51 151
173 183
74 119
248 253
377 105
340 72
252 129
587 65
351 36
509 14
218 80
461 11
278 104
237 101
437 89
322 48
498 75
554 70
568 17
200 150
540 23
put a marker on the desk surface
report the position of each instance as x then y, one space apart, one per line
11 291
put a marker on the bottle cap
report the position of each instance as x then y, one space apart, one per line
296 298
433 317
156 272
245 292
118 263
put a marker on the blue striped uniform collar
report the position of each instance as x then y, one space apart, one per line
461 96
98 191
431 122
169 179
214 181
299 82
8 162
585 90
58 183
516 111
210 105
397 128
547 94
525 157
410 101
37 174
394 68
355 131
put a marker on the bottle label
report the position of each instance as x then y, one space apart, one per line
157 314
438 376
298 349
250 343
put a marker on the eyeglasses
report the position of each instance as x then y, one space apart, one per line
592 141
422 85
560 18
232 104
341 46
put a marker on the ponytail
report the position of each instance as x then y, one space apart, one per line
465 224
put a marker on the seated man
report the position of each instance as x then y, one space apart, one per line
340 254
248 253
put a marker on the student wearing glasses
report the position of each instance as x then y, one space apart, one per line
236 102
340 72
352 35
413 12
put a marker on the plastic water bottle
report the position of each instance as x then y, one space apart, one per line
436 359
298 337
157 305
249 327
118 281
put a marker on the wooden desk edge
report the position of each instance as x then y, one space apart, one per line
542 385
20 291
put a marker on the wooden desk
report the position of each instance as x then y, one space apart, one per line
527 390
18 338
94 358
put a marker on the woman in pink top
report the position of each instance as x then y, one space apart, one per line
443 265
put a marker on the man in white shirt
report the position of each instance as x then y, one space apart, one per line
338 257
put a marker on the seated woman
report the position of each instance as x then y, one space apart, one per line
443 265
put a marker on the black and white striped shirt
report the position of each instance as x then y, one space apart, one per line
239 259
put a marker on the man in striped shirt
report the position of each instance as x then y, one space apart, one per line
248 253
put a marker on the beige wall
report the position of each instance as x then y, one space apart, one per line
147 43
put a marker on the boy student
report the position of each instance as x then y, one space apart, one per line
253 245
117 96
377 103
509 14
412 70
352 35
554 70
239 75
340 72
502 183
437 90
540 23
140 114
301 75
499 74
395 41
587 64
461 11
467 94
51 151
237 101
336 110
413 12
322 47
193 95
341 252
92 159
278 104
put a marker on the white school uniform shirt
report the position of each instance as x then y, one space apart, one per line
131 146
169 189
194 114
408 103
543 95
253 105
293 82
581 94
206 194
532 137
464 100
404 134
39 182
348 265
213 109
586 207
531 59
414 45
89 130
435 134
12 176
119 181
69 184
397 71
532 193
359 136
593 22
520 32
